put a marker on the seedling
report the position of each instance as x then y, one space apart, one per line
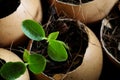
12 70
56 49
36 63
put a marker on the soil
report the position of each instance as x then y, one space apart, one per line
111 36
8 6
77 2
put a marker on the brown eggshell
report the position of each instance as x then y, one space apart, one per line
10 26
86 12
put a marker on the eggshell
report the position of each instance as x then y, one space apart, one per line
89 12
91 66
10 26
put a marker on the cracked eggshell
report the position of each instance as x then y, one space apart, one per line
89 12
91 66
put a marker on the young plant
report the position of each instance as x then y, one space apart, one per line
56 48
13 70
36 63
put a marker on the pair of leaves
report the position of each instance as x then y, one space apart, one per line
36 62
56 48
12 70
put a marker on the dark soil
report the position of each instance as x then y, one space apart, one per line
77 2
8 6
111 36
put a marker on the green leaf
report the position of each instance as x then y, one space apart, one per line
57 51
61 42
26 55
12 70
33 30
53 35
37 63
